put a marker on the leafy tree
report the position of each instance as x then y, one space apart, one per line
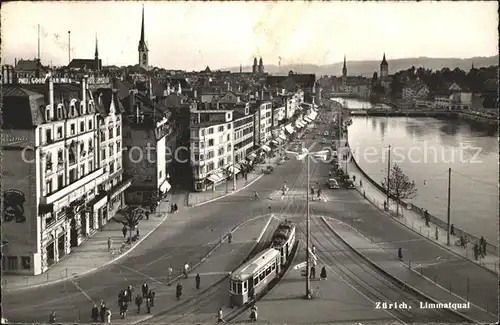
131 217
396 87
374 79
400 186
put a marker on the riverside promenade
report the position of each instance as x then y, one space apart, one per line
415 221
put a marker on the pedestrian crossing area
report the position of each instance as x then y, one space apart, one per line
297 195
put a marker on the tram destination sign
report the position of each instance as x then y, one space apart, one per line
60 80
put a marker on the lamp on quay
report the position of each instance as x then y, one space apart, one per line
306 154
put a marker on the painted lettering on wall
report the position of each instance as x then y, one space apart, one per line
60 80
13 206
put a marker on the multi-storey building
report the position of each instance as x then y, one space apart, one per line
146 131
211 145
50 172
263 123
243 132
109 121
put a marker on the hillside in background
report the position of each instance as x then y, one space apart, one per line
366 68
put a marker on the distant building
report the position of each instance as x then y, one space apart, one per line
87 64
384 73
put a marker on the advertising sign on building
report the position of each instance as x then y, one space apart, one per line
18 192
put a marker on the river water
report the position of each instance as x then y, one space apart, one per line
425 148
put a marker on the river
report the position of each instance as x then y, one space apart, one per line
425 148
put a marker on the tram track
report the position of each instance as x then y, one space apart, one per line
186 309
369 281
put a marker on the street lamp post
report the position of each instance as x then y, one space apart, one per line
305 154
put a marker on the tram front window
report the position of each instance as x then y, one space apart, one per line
234 287
239 288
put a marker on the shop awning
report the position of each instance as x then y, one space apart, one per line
289 129
302 124
307 119
235 168
265 148
282 137
274 141
165 187
214 178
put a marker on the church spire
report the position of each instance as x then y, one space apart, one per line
96 54
142 26
344 68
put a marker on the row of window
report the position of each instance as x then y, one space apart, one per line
111 150
210 130
49 137
74 151
210 142
110 132
73 176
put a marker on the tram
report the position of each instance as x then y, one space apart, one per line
284 239
254 276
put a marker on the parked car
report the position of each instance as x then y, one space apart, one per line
332 183
349 184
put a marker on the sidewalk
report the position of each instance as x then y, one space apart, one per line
388 262
201 305
416 222
93 253
223 189
285 303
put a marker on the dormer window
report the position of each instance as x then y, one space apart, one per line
72 109
82 108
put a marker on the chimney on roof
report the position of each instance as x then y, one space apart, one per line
84 93
51 95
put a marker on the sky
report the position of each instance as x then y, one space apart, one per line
192 35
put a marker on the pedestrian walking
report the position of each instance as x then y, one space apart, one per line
178 291
484 247
323 273
148 305
230 237
151 296
312 191
385 205
145 290
319 193
197 279
437 233
170 270
186 270
172 208
109 244
137 232
400 253
353 178
253 313
130 291
313 249
476 251
102 312
313 272
220 316
94 314
427 219
108 316
138 303
360 183
452 229
124 232
147 215
52 317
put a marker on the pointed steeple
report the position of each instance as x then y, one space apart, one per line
96 54
344 68
384 61
142 26
142 42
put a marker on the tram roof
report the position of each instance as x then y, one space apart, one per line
248 269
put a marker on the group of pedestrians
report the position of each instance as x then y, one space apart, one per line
317 192
101 313
174 208
480 249
146 297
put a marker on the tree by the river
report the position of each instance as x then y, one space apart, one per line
400 186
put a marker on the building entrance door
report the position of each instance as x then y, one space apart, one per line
73 238
50 254
61 246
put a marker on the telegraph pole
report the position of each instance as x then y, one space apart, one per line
449 208
234 174
69 47
388 173
308 266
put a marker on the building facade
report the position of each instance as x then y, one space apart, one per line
51 173
211 146
146 131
